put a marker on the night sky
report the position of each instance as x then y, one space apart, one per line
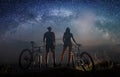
92 22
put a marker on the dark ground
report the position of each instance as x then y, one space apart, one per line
61 72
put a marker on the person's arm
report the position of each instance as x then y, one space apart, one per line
54 38
74 40
44 38
63 38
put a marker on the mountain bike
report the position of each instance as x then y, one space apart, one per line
82 60
30 57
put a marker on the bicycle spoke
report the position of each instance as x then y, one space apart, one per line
25 59
88 64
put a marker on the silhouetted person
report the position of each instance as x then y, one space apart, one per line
49 42
67 43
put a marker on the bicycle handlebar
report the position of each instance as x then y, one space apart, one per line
33 45
32 42
78 45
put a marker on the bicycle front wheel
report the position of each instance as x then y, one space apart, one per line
25 59
87 62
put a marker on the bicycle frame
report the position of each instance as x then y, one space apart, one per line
36 52
28 57
83 59
76 53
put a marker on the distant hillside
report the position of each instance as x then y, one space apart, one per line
9 51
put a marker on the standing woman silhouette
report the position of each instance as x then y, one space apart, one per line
67 43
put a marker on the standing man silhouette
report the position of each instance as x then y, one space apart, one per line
67 43
49 42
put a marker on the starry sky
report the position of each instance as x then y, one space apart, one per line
92 22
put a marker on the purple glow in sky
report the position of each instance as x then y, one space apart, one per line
92 22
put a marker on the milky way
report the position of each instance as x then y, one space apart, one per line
90 20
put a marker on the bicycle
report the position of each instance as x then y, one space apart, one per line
82 59
28 57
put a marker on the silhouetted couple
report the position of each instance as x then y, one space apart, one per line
49 42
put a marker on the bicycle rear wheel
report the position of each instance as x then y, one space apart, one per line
87 62
25 59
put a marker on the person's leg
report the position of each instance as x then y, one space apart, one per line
46 58
62 55
69 54
54 58
47 55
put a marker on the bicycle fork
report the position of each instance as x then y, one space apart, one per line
40 61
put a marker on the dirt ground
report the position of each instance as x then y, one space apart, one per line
61 72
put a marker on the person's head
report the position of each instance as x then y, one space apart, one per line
49 28
67 30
